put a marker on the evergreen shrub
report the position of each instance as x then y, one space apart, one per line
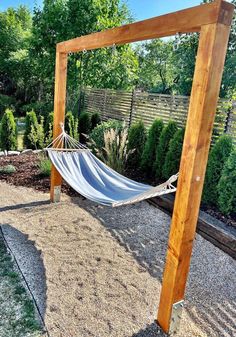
217 158
84 126
150 148
166 135
136 142
95 120
71 125
34 131
8 133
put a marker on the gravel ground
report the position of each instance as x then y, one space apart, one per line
96 271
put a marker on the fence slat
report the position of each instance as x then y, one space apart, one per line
133 106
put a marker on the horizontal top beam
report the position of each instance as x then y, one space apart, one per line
184 21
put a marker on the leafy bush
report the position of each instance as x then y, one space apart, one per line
45 166
114 153
48 128
96 137
71 125
136 141
6 102
166 135
173 156
149 153
34 131
8 169
226 187
217 158
95 120
84 126
8 134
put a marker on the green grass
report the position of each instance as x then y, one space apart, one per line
20 132
17 311
44 166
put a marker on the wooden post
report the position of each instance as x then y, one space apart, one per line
59 117
205 90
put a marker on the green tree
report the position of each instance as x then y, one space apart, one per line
136 141
156 70
149 153
173 156
15 68
34 131
166 135
8 136
226 187
217 158
62 20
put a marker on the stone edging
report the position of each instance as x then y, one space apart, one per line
17 153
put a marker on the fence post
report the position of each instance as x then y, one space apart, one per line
104 102
131 107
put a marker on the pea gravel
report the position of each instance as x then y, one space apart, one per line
96 271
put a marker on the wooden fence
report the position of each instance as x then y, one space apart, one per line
133 106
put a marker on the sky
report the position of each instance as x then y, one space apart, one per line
141 9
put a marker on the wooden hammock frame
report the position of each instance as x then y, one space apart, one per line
213 22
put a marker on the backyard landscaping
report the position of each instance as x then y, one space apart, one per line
96 111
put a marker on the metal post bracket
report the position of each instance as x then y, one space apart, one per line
176 314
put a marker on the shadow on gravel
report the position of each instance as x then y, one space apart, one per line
151 330
30 262
25 205
210 294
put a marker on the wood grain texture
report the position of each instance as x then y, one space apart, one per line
203 102
59 111
184 21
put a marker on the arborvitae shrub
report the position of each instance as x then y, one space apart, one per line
149 153
226 187
31 125
95 120
136 142
166 135
8 134
173 156
36 135
217 158
84 126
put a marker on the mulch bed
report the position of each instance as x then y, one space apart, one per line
28 174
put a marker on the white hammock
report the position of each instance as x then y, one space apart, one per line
90 177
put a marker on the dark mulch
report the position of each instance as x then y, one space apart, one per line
28 174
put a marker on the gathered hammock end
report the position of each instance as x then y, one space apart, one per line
96 181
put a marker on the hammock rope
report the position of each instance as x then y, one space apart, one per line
96 181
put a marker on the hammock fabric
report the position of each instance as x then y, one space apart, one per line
93 179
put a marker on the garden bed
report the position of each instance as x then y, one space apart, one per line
28 174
